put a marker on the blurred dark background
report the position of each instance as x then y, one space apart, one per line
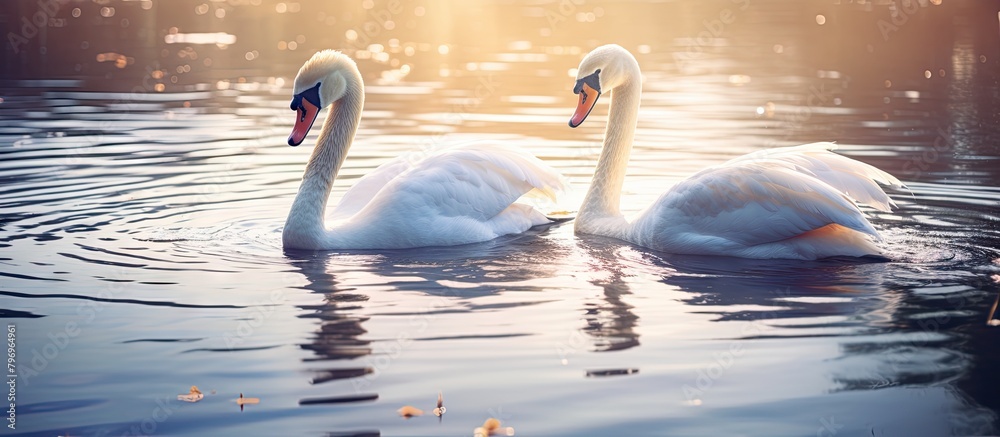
114 39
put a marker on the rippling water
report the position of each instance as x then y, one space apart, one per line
140 234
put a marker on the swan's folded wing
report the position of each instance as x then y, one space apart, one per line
477 181
856 179
519 165
750 203
369 185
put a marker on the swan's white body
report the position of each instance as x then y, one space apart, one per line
455 196
793 202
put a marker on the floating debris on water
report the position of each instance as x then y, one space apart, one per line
194 395
246 401
492 427
409 411
338 399
612 372
440 410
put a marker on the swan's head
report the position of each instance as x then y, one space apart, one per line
603 69
322 80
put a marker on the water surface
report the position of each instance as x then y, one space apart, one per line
142 207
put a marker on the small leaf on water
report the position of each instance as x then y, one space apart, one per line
408 411
491 427
246 401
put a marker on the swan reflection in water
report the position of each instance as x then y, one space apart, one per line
610 319
862 318
856 315
453 273
460 275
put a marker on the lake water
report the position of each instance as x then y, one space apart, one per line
142 205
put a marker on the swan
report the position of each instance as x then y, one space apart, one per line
791 202
458 195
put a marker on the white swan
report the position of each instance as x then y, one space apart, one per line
455 196
792 202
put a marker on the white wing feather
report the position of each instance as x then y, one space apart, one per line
454 196
756 205
369 185
854 178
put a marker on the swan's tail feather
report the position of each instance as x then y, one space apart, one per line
835 240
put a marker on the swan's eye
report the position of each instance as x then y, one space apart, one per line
593 80
312 95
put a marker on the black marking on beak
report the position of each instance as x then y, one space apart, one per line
594 80
311 95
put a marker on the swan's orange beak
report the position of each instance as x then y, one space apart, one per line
305 115
588 98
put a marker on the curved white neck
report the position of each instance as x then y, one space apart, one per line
600 213
306 218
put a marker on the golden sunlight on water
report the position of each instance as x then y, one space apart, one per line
146 179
